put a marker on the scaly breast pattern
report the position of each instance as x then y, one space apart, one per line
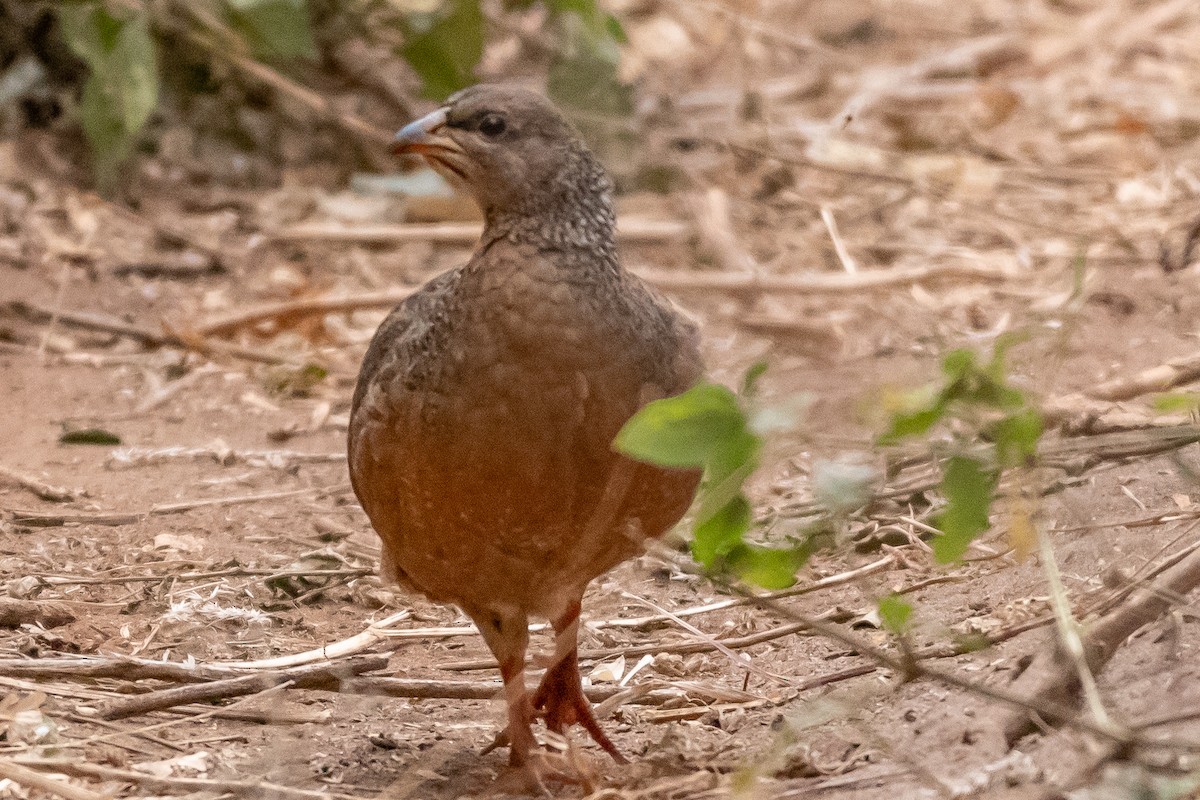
482 426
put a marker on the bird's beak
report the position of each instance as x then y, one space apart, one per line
422 135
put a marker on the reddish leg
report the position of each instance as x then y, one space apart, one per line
560 694
507 636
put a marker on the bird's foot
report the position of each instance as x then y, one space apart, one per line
561 700
541 767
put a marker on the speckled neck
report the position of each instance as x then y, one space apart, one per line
574 212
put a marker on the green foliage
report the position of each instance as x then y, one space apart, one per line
702 426
274 29
584 74
445 45
968 487
895 614
294 381
977 396
122 86
710 428
443 42
1174 402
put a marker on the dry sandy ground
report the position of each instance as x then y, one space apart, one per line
1058 162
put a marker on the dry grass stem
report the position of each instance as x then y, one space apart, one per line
46 783
328 677
43 490
180 785
630 230
44 519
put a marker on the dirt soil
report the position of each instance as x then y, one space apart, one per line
1049 179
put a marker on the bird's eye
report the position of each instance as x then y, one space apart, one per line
492 125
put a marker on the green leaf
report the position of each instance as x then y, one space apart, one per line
89 436
722 532
702 427
294 381
615 29
274 29
121 90
585 75
968 488
717 491
1172 402
1016 437
958 364
895 614
444 47
750 379
914 423
768 567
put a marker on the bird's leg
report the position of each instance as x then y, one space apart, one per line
560 694
507 636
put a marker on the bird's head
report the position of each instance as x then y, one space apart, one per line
511 149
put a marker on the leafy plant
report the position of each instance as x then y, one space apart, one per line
710 427
444 46
443 41
584 74
274 29
976 396
122 86
895 614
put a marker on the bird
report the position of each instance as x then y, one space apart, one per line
482 422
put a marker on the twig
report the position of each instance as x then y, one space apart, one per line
135 669
225 456
298 309
54 494
14 613
232 572
177 785
274 716
714 228
828 582
48 520
328 677
1052 676
96 322
742 663
215 681
36 780
970 58
629 230
839 246
486 690
737 283
1069 636
1175 372
732 643
375 632
1048 708
88 321
696 712
744 283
